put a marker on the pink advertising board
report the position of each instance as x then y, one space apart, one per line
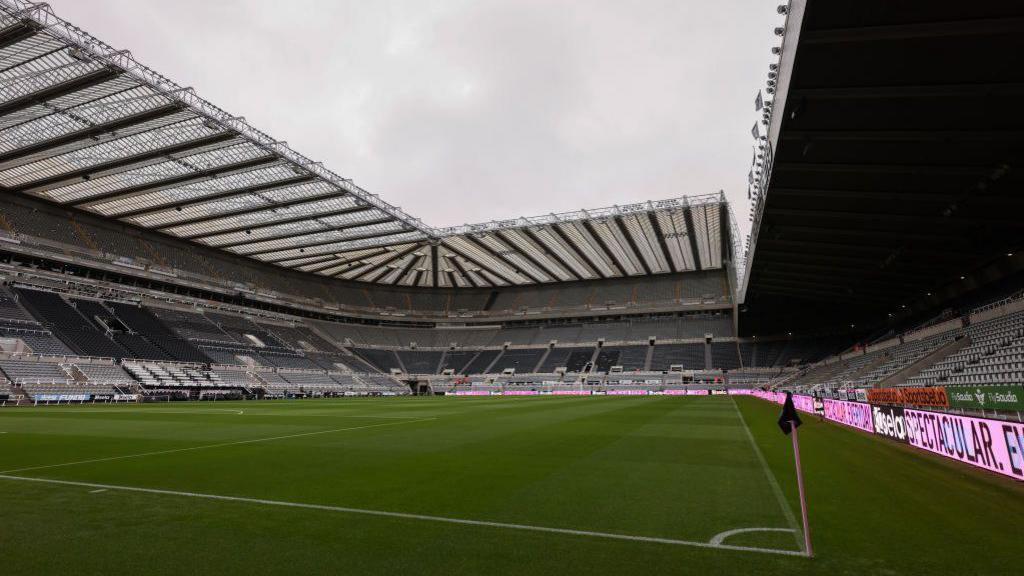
803 403
994 445
852 414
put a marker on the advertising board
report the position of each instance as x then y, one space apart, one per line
1009 398
994 445
852 414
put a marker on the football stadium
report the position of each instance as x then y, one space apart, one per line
217 355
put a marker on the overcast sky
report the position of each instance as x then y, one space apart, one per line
465 111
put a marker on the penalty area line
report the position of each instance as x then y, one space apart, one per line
219 445
409 516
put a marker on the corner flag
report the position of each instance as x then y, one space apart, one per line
789 421
789 417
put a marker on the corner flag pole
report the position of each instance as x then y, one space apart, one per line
789 421
803 498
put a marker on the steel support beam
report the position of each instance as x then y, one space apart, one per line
691 234
589 226
579 253
262 208
398 255
405 269
462 271
551 252
632 244
82 82
317 244
16 33
503 235
474 262
303 232
226 195
660 236
121 164
190 178
433 265
487 250
8 159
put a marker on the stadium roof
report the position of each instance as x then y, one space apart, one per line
88 127
890 175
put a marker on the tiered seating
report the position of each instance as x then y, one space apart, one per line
609 331
32 371
231 379
11 312
150 338
235 356
994 356
457 360
349 362
690 356
243 330
725 355
179 349
481 362
38 340
139 348
380 383
578 359
899 357
274 384
69 325
38 390
384 360
153 375
288 360
317 381
629 357
299 338
420 361
559 358
190 325
521 360
103 373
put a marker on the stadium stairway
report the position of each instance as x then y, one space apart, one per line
543 358
867 368
440 362
900 378
495 361
398 358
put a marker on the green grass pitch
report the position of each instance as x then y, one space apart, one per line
601 485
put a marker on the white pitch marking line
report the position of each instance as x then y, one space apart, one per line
720 537
772 481
97 491
408 516
153 411
226 411
206 446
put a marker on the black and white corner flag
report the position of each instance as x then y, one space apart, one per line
789 416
